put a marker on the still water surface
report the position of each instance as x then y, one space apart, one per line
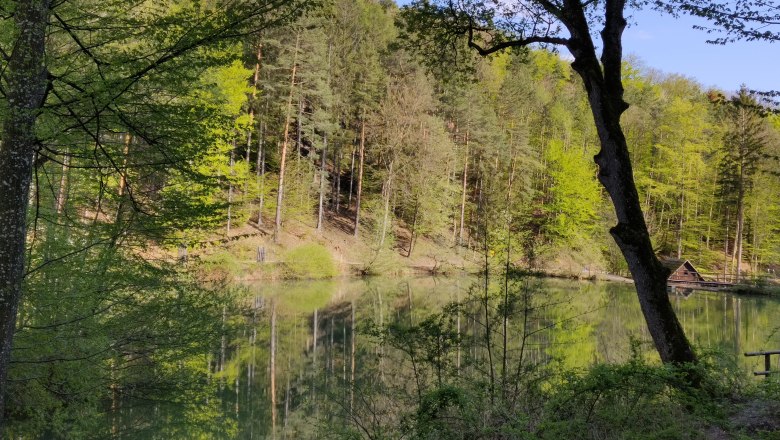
300 341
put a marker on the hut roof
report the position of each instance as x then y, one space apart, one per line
673 263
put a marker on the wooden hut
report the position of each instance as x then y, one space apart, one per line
682 271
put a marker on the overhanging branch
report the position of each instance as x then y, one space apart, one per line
521 42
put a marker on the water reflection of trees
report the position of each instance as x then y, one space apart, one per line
357 356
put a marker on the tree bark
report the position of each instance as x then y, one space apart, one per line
360 175
62 193
680 225
25 91
386 193
280 188
298 130
337 177
682 205
260 175
123 177
322 182
413 228
740 222
255 83
230 189
726 249
463 194
125 155
351 176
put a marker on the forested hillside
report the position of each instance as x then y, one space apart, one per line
330 118
174 128
342 122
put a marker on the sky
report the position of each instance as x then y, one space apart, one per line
673 46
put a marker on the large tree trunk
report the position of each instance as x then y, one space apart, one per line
605 95
25 91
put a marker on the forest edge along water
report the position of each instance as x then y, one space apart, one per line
304 359
162 164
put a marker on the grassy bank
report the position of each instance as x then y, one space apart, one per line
300 247
303 252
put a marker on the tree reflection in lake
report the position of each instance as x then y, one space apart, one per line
306 359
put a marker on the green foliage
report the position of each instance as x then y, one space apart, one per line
575 192
310 261
634 400
101 326
440 375
155 129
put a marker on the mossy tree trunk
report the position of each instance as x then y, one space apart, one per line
25 91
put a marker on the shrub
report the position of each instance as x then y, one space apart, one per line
309 261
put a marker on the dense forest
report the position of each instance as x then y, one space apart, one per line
338 120
178 126
330 117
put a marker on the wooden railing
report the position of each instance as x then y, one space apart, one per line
731 278
767 361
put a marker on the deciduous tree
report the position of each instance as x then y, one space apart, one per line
573 24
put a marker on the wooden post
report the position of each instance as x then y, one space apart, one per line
767 361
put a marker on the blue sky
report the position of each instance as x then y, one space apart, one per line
672 46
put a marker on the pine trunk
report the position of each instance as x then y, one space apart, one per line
260 175
337 178
463 193
360 176
386 193
320 213
230 189
413 228
283 159
62 193
351 176
738 239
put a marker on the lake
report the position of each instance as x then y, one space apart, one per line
297 356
